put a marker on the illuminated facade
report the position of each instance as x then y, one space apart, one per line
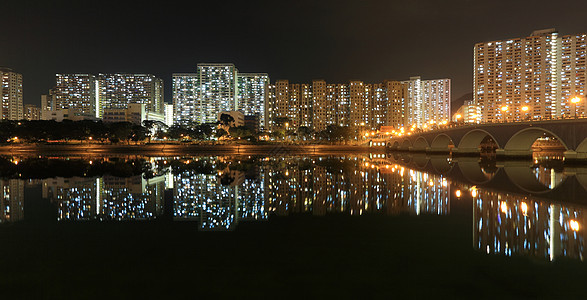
32 112
78 93
11 107
118 90
253 95
359 104
186 107
428 101
217 90
199 97
530 78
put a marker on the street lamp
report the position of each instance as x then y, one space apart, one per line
525 110
574 101
504 109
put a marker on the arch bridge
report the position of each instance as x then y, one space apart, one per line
512 139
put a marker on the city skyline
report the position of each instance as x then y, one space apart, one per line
352 41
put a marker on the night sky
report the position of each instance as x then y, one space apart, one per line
298 40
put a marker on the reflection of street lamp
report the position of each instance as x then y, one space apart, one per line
575 101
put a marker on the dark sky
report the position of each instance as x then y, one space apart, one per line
298 40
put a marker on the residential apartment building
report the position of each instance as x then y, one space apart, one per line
216 87
77 93
252 95
32 112
118 90
530 78
360 104
11 105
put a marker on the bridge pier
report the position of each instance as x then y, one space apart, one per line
466 151
571 155
513 153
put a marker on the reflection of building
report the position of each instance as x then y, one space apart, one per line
108 197
354 186
203 197
512 224
11 200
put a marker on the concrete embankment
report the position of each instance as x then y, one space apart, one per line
175 149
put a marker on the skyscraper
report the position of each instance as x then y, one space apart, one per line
217 90
11 107
427 101
252 96
77 93
186 106
118 90
530 78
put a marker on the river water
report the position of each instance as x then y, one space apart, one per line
377 214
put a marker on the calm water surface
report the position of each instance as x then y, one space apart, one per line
525 209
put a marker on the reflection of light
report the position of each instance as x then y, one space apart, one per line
474 191
458 193
430 183
524 207
504 207
574 225
444 183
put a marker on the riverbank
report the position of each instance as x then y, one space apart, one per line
179 149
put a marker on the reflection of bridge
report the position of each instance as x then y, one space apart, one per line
512 176
512 139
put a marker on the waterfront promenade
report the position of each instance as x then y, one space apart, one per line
187 149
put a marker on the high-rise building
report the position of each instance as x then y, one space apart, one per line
397 94
186 107
118 90
11 107
217 90
32 112
77 93
47 101
199 97
427 101
252 96
530 78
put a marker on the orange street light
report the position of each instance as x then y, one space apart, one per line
574 101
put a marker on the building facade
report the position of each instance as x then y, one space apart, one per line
118 90
77 93
11 107
530 78
252 95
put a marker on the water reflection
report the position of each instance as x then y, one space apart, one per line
517 207
513 224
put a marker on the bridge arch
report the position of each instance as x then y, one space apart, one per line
420 144
582 146
523 139
473 139
406 145
442 142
